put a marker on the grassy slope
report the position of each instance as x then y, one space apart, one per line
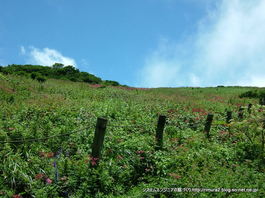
32 110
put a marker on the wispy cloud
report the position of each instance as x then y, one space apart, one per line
45 56
227 49
22 50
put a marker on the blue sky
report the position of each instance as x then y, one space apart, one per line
143 43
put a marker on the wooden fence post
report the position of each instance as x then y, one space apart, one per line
228 120
249 108
260 101
228 116
159 132
98 140
240 113
263 141
208 124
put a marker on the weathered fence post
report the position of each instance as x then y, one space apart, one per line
263 141
228 116
56 173
208 124
98 140
159 132
240 113
262 100
228 120
249 108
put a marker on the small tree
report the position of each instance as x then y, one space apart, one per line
41 79
37 76
111 82
34 75
57 65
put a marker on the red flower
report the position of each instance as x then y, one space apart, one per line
39 176
16 196
46 154
96 85
171 110
223 132
140 152
64 178
119 157
124 166
50 155
94 161
200 111
120 140
174 139
109 150
174 175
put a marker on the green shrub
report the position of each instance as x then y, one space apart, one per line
37 76
41 79
250 94
111 83
34 75
21 73
252 134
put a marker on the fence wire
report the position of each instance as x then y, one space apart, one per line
131 126
44 138
109 125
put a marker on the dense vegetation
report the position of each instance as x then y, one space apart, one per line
57 71
61 166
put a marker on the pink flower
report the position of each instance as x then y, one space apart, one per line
48 181
96 85
94 161
140 152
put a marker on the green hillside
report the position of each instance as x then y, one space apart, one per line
57 71
47 130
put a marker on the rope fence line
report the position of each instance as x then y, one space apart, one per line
136 125
208 125
69 133
44 138
100 131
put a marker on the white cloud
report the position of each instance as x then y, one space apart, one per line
22 50
227 49
46 56
160 73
